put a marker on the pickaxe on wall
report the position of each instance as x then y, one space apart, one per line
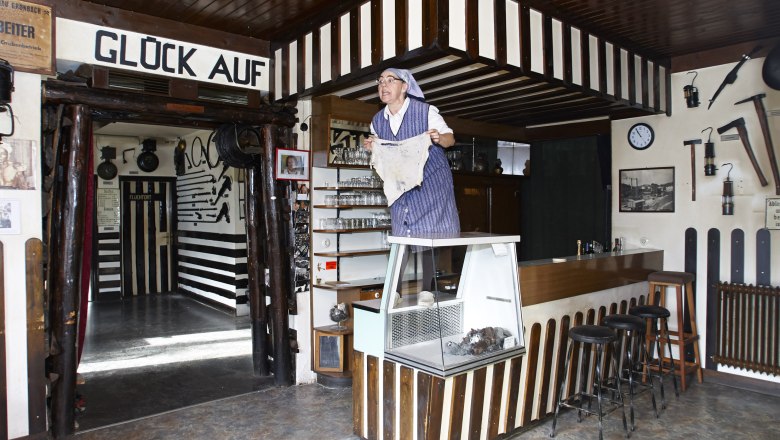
770 149
739 124
227 185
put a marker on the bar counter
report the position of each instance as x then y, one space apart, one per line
496 399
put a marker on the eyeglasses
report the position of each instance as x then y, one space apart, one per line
390 80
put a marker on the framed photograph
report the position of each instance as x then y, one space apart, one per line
328 351
647 190
10 217
292 164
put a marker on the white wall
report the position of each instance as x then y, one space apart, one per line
26 104
667 230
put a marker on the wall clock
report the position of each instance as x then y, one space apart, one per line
641 136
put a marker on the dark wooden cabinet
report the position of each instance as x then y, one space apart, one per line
488 203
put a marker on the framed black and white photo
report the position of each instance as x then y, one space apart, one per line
292 164
10 217
647 190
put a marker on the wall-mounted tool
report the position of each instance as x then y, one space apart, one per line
739 124
107 170
224 213
197 209
180 156
770 149
227 185
732 75
727 199
709 154
148 161
691 92
206 179
124 158
693 143
193 175
6 88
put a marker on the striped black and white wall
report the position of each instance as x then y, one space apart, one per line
211 235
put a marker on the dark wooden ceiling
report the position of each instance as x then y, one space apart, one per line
663 28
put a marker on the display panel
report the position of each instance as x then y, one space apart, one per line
452 304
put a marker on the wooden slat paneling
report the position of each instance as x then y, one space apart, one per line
372 403
357 393
388 400
406 427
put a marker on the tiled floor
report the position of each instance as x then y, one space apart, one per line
704 411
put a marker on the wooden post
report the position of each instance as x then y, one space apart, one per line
36 340
3 384
256 264
276 249
66 273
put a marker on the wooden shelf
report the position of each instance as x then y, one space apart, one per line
346 188
352 284
349 206
353 253
335 329
347 231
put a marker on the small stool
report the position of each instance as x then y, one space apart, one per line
599 337
663 280
634 329
652 314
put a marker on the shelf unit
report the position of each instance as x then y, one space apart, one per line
348 264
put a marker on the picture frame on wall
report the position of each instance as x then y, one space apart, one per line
328 351
646 190
292 164
10 217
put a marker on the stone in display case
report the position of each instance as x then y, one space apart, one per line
452 303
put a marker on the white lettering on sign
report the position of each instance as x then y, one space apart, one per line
93 44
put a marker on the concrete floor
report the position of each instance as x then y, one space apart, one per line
705 411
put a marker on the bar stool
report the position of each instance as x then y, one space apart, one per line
598 336
634 329
681 339
652 315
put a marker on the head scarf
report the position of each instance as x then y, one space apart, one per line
414 88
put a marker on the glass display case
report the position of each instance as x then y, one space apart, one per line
452 303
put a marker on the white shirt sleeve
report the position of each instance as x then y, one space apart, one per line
436 121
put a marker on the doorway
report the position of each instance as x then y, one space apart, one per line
148 219
151 345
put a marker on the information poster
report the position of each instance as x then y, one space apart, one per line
773 213
108 209
26 36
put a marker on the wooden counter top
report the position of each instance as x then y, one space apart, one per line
549 280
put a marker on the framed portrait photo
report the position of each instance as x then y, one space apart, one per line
292 164
10 217
647 190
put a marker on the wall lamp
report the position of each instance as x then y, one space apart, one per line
727 200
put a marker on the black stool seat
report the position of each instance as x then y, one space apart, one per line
670 277
649 311
592 334
625 322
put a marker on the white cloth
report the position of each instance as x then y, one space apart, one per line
400 164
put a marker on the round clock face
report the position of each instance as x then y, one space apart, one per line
641 136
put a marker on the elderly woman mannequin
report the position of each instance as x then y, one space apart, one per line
427 208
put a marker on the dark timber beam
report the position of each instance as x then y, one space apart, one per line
66 273
136 107
256 264
276 251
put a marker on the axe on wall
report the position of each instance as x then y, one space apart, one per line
739 124
770 149
224 212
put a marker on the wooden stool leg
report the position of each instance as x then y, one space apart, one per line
694 332
680 336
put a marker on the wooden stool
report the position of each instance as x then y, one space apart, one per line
663 280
